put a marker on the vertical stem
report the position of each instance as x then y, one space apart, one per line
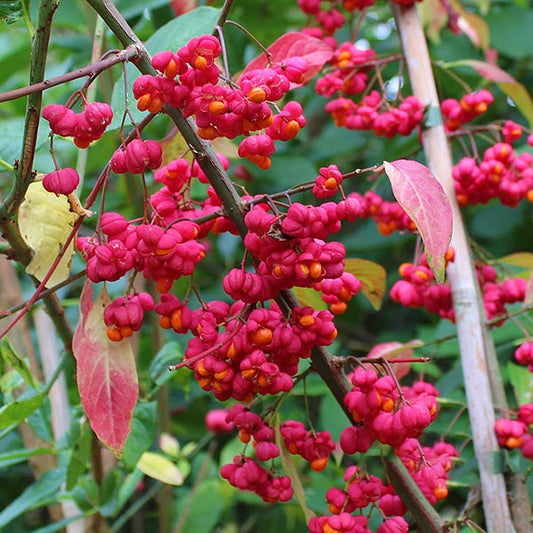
465 291
24 171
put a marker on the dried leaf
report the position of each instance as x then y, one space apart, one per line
372 277
422 197
295 44
106 373
45 221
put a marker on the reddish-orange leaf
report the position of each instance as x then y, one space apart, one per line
422 197
106 373
393 350
295 44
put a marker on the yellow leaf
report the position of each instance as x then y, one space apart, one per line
310 297
372 277
158 467
45 221
521 259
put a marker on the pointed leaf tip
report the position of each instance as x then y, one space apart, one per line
106 373
422 197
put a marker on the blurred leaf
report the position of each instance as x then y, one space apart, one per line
209 494
15 360
170 354
520 378
85 494
45 221
79 459
434 18
128 487
172 36
474 27
18 410
521 259
18 456
106 373
134 8
142 433
40 493
510 28
109 492
372 277
160 468
422 197
10 11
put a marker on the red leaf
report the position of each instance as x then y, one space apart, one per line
295 44
106 373
393 350
422 197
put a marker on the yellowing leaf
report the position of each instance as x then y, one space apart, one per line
372 277
521 259
158 467
310 297
45 221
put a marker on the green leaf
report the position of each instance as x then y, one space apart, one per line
58 526
79 458
18 456
210 494
128 487
17 411
142 434
134 8
520 377
109 498
158 371
171 36
85 494
510 28
310 297
10 11
40 493
15 360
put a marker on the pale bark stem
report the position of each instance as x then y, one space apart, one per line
461 275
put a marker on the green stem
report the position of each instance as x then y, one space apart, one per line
27 17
